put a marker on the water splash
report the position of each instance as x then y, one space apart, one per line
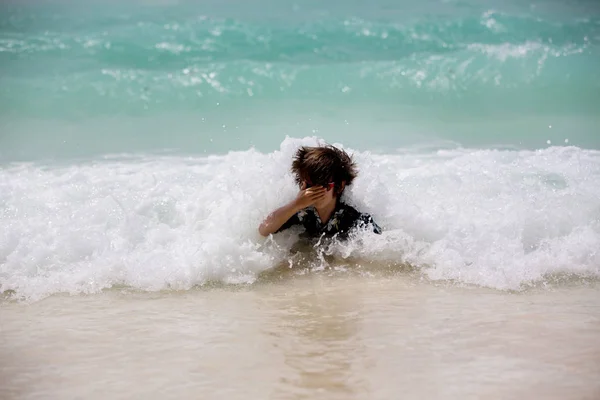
495 218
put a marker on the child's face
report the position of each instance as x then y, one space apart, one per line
307 183
329 197
329 194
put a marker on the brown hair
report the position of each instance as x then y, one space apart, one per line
323 164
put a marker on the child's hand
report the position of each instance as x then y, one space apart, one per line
310 196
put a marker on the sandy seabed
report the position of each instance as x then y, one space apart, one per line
307 337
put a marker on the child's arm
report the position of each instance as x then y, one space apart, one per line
277 218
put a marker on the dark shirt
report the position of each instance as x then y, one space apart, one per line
343 220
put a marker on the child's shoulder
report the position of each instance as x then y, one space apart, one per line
347 208
355 218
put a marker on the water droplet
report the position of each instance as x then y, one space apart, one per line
550 126
549 141
566 140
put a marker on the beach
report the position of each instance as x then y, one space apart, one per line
318 336
143 142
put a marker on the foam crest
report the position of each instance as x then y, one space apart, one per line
502 219
495 218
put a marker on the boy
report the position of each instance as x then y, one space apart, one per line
322 174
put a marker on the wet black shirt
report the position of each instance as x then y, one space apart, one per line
343 220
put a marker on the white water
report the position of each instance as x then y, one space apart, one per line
502 219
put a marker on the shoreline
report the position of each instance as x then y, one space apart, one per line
313 336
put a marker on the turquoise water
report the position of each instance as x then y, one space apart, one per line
82 79
142 142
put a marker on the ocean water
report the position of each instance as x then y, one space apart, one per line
142 142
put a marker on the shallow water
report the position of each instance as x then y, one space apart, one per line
314 336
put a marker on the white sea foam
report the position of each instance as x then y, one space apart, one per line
495 218
506 51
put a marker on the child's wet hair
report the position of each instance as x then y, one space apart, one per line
322 165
